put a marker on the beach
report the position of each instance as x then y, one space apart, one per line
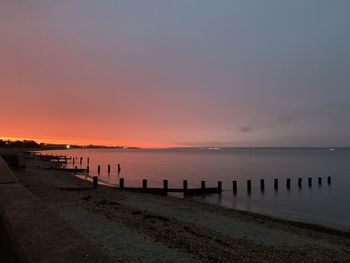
304 200
136 227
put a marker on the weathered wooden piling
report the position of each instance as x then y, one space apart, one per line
98 169
234 186
119 168
300 182
144 183
329 180
109 169
319 180
310 181
88 160
249 185
203 186
87 169
95 181
165 185
185 186
121 183
220 186
81 160
275 184
288 183
262 184
73 161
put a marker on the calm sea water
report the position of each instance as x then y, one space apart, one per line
326 205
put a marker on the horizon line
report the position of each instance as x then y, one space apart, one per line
12 139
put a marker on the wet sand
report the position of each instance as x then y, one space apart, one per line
132 227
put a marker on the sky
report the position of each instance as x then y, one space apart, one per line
162 73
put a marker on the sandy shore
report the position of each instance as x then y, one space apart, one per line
132 227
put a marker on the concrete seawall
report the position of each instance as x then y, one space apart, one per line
36 232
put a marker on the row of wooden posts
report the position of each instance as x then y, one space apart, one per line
80 161
99 168
276 183
74 160
202 189
218 189
166 189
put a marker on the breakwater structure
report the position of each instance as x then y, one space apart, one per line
185 189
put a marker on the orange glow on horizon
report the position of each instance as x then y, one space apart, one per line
85 142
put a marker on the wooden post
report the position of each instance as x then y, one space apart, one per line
165 186
121 183
73 162
219 187
184 183
88 160
119 168
310 181
81 160
300 182
262 184
319 180
87 169
203 186
288 183
109 169
234 186
144 183
275 184
329 180
98 169
75 169
95 181
249 185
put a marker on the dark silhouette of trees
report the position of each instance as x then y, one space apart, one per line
19 144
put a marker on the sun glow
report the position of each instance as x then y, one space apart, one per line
69 142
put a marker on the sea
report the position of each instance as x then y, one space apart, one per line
321 204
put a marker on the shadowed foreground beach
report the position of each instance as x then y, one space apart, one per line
133 227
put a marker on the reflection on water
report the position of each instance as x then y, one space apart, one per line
321 204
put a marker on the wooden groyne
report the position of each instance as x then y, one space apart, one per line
276 185
288 185
49 157
165 189
74 170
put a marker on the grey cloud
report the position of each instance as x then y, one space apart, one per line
246 128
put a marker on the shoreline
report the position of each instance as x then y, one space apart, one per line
273 202
132 226
301 224
259 216
266 210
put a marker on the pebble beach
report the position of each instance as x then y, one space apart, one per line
136 227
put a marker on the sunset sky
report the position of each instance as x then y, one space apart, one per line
176 73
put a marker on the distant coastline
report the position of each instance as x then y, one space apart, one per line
260 148
52 146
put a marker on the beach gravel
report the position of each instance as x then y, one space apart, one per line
134 227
